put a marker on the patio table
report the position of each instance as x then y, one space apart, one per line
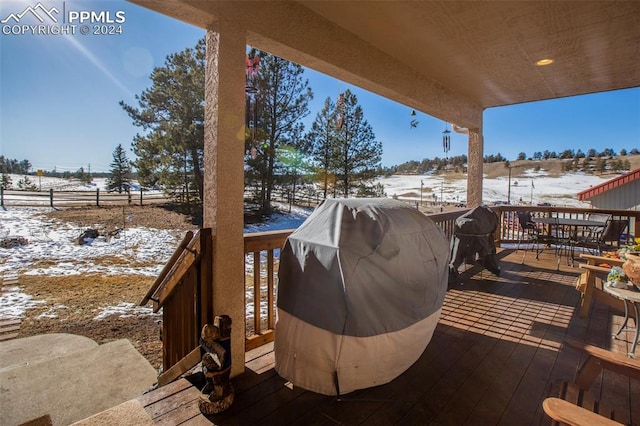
567 230
628 295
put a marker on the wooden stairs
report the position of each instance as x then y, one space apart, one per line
9 326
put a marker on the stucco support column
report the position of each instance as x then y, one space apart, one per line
475 157
224 175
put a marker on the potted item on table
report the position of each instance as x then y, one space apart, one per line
617 278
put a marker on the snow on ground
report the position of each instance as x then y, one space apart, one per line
283 220
45 183
561 191
52 249
124 310
56 243
13 303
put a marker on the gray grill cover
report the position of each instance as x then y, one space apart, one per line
363 267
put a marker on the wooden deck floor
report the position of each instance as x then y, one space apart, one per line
494 356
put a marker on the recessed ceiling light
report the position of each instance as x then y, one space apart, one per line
543 62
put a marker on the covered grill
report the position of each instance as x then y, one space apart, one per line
361 286
473 241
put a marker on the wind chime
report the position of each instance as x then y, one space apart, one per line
251 89
446 140
414 122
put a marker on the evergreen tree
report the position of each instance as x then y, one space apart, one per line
120 172
282 100
357 153
171 112
5 181
83 176
322 141
26 184
293 163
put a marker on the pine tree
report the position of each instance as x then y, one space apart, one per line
5 181
357 154
282 101
322 143
26 184
171 111
120 172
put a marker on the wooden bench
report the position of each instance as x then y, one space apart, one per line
589 283
566 413
572 404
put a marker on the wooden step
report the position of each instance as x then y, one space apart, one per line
9 329
5 337
9 322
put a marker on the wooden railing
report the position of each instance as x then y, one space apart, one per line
262 252
447 221
183 291
508 219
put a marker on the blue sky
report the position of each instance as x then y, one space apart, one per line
59 99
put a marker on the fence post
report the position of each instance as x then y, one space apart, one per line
97 197
51 197
129 196
1 196
140 196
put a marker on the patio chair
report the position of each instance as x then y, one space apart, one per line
607 238
573 405
529 232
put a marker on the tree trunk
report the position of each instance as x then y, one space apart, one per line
197 173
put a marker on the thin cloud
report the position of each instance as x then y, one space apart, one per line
95 61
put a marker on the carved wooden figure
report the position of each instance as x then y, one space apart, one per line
215 343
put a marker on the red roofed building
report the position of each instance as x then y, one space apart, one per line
621 193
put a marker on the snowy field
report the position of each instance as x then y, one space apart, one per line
52 249
532 188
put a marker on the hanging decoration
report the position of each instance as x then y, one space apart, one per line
251 72
414 122
251 89
446 140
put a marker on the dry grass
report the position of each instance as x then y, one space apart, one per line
111 218
77 299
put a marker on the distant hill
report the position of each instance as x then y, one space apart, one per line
553 167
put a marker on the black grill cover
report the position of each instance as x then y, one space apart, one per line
473 240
